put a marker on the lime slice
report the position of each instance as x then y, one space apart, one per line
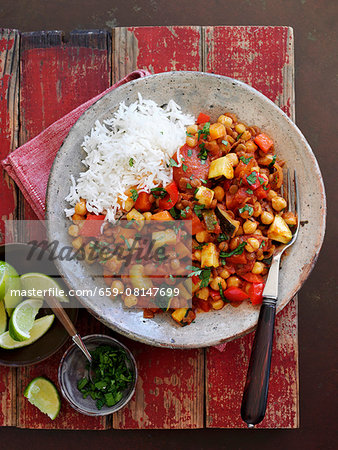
3 317
22 319
9 286
34 282
43 394
39 329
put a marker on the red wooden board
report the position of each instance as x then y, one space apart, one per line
56 78
9 120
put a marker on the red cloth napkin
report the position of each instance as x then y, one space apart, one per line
30 164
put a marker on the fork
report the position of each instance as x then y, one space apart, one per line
257 381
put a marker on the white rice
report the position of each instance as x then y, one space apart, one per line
132 149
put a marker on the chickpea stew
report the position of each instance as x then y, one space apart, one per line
227 181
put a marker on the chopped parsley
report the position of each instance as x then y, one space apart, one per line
200 246
239 136
273 161
262 244
222 237
184 167
189 186
261 180
203 181
184 212
173 163
174 213
126 241
203 274
198 209
221 293
249 191
189 134
203 154
131 162
111 376
252 178
189 152
225 142
134 195
246 208
159 192
238 251
205 131
245 160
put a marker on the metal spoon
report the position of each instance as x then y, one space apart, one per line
63 317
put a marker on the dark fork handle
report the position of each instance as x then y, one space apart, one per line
257 380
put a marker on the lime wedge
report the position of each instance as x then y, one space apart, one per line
43 394
22 319
39 329
9 283
34 282
3 317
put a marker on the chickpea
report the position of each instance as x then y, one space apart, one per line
77 243
253 243
192 129
290 218
203 293
191 141
197 255
73 230
217 304
233 189
219 193
251 146
233 158
117 284
278 203
77 217
259 232
233 281
225 120
111 265
175 264
258 268
249 226
239 231
80 207
223 246
130 300
257 209
225 274
147 215
202 236
128 204
234 243
215 282
271 194
230 139
266 218
246 135
240 128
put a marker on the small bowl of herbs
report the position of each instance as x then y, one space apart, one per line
107 385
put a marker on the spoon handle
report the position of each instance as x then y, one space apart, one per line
61 314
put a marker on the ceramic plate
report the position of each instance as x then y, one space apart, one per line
213 94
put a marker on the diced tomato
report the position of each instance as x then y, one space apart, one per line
196 225
260 192
195 279
204 305
191 168
242 269
235 294
202 118
92 225
215 295
253 176
252 278
237 259
171 199
255 292
142 203
163 215
264 142
234 201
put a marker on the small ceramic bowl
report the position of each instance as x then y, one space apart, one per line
73 367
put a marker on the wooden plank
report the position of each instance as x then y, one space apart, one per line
170 391
56 77
263 58
9 123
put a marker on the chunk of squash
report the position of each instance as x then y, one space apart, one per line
134 214
221 167
228 225
204 196
209 256
279 231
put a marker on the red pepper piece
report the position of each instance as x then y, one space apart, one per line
264 142
235 294
237 259
255 292
171 199
142 203
253 278
202 118
92 225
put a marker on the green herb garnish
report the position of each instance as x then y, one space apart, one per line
189 186
184 167
203 181
173 163
203 274
111 376
203 154
249 191
246 208
245 160
225 142
222 237
189 152
134 195
159 192
205 131
273 161
252 178
221 293
131 162
239 136
198 209
238 251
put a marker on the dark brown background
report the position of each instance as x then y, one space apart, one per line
314 23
